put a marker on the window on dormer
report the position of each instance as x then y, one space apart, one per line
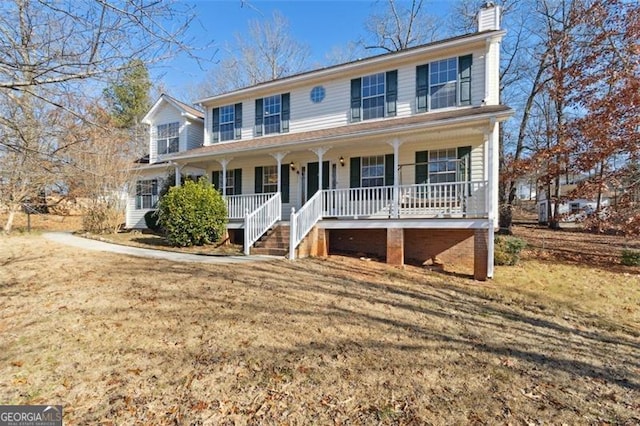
167 138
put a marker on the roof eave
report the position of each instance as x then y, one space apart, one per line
499 116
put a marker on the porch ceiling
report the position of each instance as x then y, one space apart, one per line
440 124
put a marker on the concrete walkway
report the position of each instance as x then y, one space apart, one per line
85 243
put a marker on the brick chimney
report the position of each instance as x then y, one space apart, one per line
489 17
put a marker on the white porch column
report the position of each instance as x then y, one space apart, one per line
178 180
396 143
320 151
224 162
491 139
279 156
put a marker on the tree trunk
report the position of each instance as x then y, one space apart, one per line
9 223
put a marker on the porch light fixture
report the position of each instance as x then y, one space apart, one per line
293 167
342 161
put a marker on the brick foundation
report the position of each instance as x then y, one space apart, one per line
480 254
362 242
395 246
462 251
451 249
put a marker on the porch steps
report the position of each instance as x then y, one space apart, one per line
275 242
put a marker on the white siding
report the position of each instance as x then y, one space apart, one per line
493 73
195 134
333 111
477 78
166 114
134 218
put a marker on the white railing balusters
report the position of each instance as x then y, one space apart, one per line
430 200
302 221
259 220
238 204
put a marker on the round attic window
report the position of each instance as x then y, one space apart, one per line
317 94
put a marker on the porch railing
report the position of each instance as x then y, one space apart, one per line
258 221
301 222
358 202
237 205
442 199
425 200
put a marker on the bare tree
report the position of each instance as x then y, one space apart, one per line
99 167
49 50
397 27
267 52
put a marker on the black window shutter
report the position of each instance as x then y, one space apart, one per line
259 118
464 153
354 172
216 125
464 71
138 195
215 180
388 170
422 87
284 185
237 182
356 98
284 114
422 168
392 92
325 175
238 121
258 180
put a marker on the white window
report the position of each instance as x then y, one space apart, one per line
167 138
443 83
443 165
372 171
146 194
373 96
270 179
227 123
272 111
230 183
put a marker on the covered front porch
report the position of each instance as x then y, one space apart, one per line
442 173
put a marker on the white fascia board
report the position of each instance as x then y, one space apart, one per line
502 116
353 66
147 117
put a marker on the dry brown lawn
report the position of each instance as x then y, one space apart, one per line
122 340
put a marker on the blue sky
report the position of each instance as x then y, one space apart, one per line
321 24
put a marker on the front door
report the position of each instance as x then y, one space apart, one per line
312 177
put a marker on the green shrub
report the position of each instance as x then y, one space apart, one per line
507 250
630 257
193 214
151 220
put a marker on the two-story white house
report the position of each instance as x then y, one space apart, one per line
394 156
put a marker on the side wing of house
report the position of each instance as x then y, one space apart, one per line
174 128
